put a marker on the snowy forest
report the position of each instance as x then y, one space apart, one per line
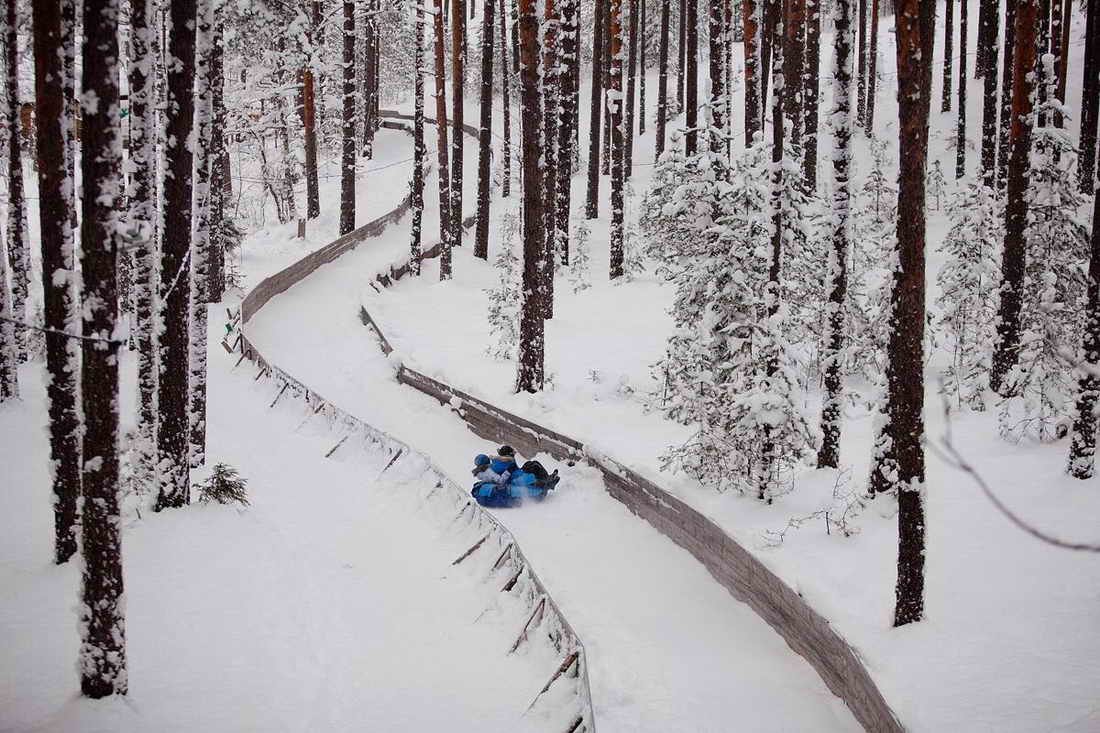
766 331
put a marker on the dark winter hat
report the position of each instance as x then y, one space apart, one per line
482 460
506 450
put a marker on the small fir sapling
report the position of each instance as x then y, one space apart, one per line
937 184
580 258
879 191
504 297
223 486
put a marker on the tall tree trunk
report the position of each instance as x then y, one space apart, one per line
347 158
717 31
505 84
570 57
861 70
10 336
530 375
445 228
592 203
1090 98
1059 33
102 623
990 108
18 250
69 45
9 362
841 122
615 102
691 95
1015 250
1007 65
960 140
418 137
1082 451
872 72
662 79
219 162
905 347
175 277
948 50
1042 47
551 162
200 240
370 33
641 71
605 159
794 51
628 120
750 20
481 241
309 125
458 80
810 93
681 50
55 204
988 32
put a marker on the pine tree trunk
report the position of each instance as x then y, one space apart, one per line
841 122
990 108
948 50
9 363
55 206
988 31
1015 251
592 203
102 624
628 120
481 240
662 79
551 162
309 125
681 59
872 73
441 146
175 276
1090 98
219 162
615 103
717 32
794 50
905 346
810 93
1082 452
1042 46
347 159
1007 64
605 158
458 80
567 135
691 95
1059 34
641 69
750 20
861 71
371 73
18 250
960 139
418 139
531 329
200 242
69 44
505 84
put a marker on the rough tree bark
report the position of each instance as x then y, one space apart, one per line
1090 98
642 67
458 80
960 137
987 58
1082 452
551 162
681 56
219 162
370 39
505 84
309 121
750 20
418 140
861 65
9 363
1007 64
841 122
691 95
948 49
662 79
445 228
347 158
810 93
530 375
988 31
55 205
1014 254
567 128
173 477
794 56
716 26
628 119
592 203
615 103
18 250
872 71
481 240
102 615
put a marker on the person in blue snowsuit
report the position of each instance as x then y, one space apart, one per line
501 482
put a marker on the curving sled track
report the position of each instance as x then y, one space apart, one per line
667 647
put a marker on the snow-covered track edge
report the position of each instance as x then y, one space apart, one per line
806 631
545 615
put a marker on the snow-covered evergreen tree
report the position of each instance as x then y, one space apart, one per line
504 297
580 257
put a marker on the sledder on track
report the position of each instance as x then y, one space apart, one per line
501 482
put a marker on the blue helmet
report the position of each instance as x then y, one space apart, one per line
481 460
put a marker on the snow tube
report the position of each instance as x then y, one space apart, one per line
521 486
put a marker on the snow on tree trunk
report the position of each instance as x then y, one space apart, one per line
605 39
841 122
102 659
1090 96
985 62
592 203
55 205
18 250
458 81
445 229
1003 142
69 46
662 78
681 55
987 69
481 240
200 237
948 50
810 93
794 56
371 41
1014 254
960 138
641 71
691 93
551 163
142 198
531 372
223 233
347 158
173 473
505 88
418 140
9 363
615 104
628 119
309 127
716 18
1060 30
872 73
567 126
861 65
1082 452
